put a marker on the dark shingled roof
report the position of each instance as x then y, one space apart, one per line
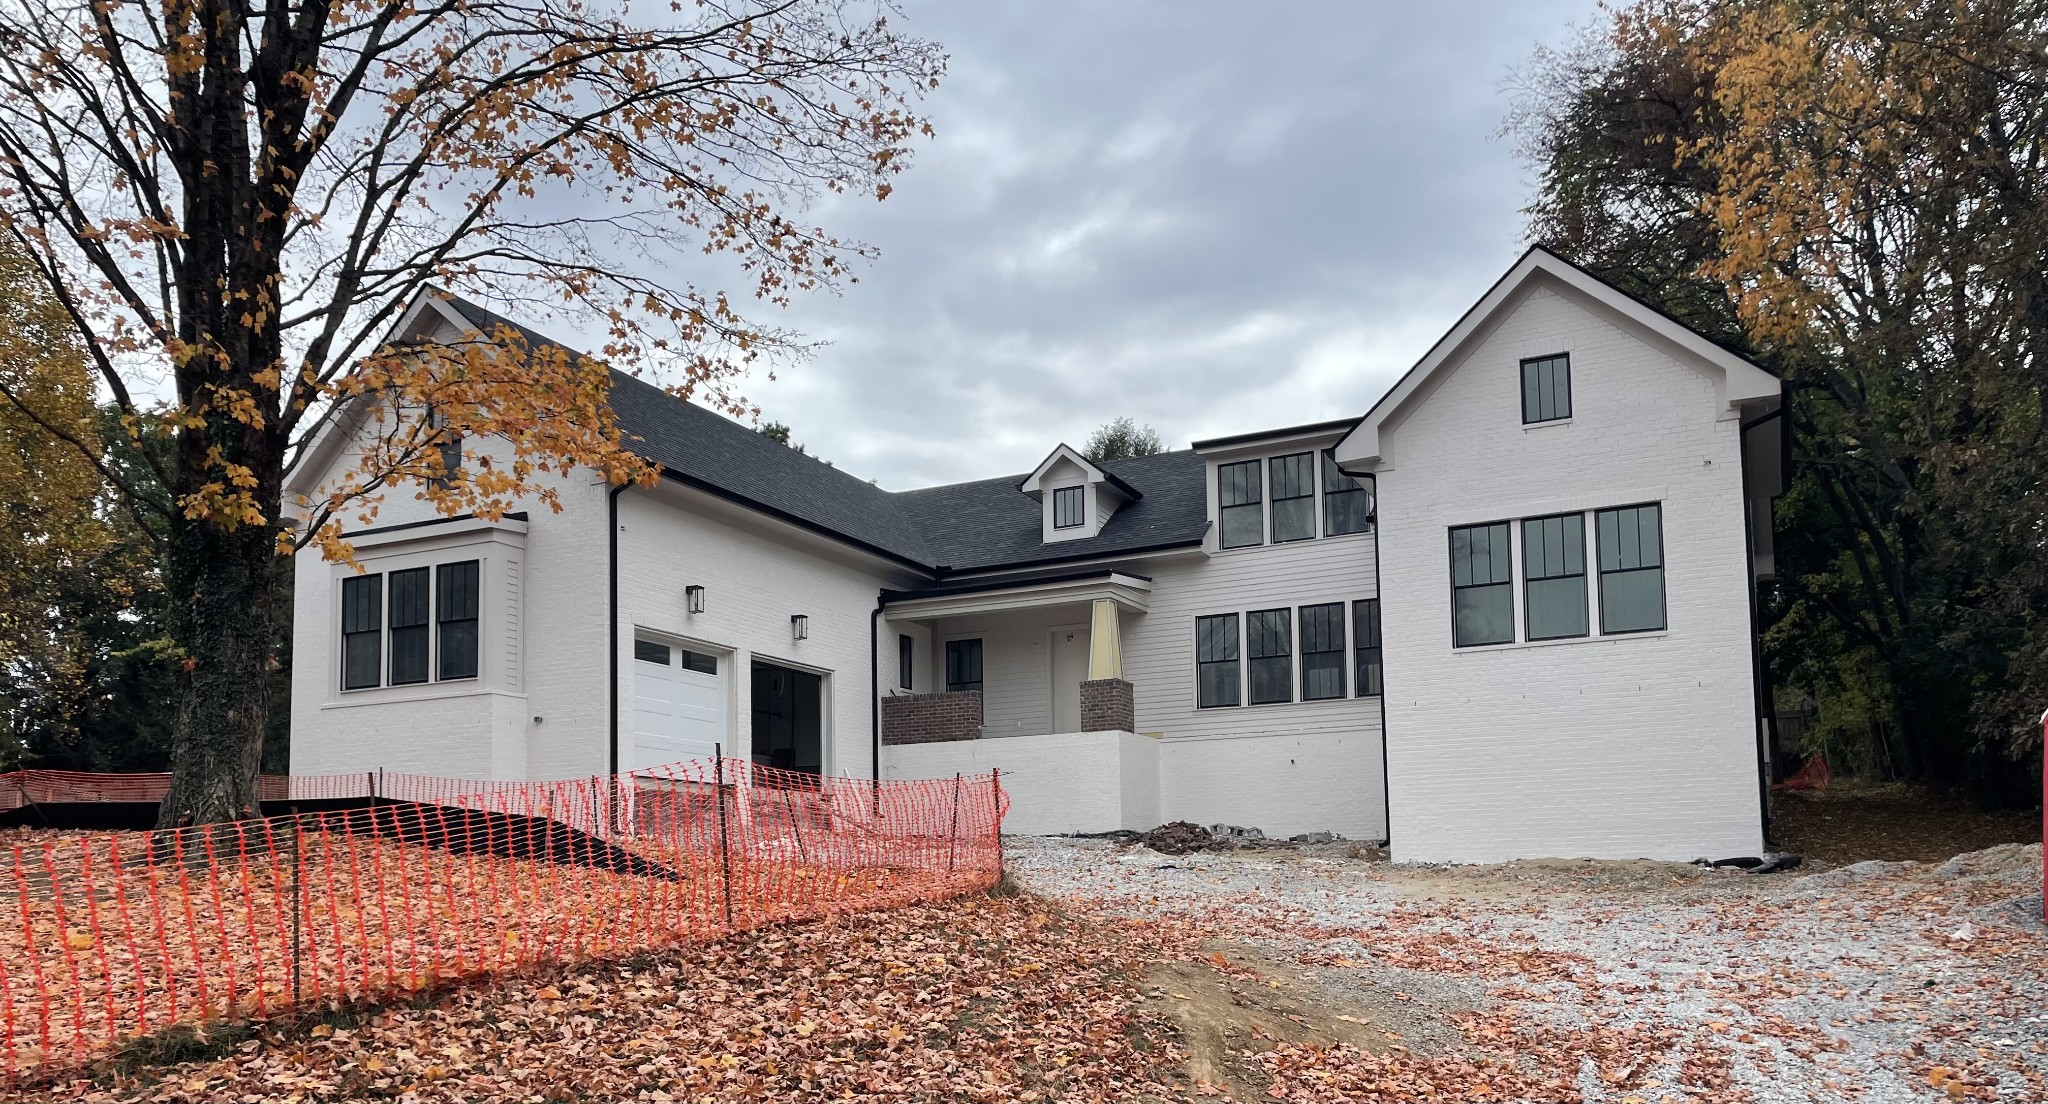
990 523
959 527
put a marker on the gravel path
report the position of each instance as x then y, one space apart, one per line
1878 982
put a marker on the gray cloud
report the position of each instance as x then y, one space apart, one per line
1206 217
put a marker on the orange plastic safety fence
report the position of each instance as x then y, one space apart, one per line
113 936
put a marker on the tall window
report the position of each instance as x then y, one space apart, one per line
1554 567
450 447
1269 646
1547 388
1631 568
1365 629
1240 501
1482 586
963 664
1294 497
409 626
1069 507
905 648
1347 505
362 631
1322 651
1218 680
455 610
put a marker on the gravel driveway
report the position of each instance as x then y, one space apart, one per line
1633 982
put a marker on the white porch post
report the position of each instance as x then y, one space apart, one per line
1105 643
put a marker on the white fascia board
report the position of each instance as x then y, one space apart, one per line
461 529
1737 381
1127 591
1031 484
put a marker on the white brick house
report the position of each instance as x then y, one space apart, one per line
1565 505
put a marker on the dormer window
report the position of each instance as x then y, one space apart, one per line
1294 497
1069 507
1076 496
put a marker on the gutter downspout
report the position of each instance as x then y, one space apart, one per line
875 689
1386 782
611 633
1759 678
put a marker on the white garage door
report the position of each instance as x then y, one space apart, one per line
678 704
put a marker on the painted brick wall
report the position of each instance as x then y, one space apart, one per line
1631 746
931 718
756 572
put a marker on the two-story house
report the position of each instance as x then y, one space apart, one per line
1509 612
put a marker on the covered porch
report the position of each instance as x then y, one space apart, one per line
1027 657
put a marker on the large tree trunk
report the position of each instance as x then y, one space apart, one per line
224 622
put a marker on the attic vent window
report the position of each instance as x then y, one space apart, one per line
1069 509
1547 389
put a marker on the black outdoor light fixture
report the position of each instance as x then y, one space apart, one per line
694 595
799 626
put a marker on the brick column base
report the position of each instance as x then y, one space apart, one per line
931 718
1107 706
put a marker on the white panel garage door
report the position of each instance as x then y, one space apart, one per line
678 704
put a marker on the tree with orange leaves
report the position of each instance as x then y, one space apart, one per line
234 200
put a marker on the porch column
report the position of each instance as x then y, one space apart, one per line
1105 643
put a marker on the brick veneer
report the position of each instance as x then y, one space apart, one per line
931 718
1107 706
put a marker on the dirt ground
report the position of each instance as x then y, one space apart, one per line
1854 821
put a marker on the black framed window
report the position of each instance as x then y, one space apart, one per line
1365 630
1069 507
651 651
449 446
963 664
1322 651
1218 679
1294 497
1347 504
701 662
455 610
362 631
410 640
1554 574
1631 568
1241 501
1482 586
1546 388
1269 648
905 649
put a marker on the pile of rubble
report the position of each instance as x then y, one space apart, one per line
1183 837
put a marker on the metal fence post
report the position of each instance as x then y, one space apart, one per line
298 906
995 805
724 840
953 835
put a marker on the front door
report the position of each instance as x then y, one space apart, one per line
1069 670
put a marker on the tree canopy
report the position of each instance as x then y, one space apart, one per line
1858 195
234 202
1122 439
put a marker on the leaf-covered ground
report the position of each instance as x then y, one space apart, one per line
1304 978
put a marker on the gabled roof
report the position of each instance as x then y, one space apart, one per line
1738 379
942 530
1095 473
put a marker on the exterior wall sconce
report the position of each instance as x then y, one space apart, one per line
799 627
694 595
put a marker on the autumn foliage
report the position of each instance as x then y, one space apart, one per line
234 204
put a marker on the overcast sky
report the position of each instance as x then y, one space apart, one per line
1212 218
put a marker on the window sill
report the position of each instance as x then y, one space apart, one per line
1285 704
1309 541
1518 645
435 691
1529 427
